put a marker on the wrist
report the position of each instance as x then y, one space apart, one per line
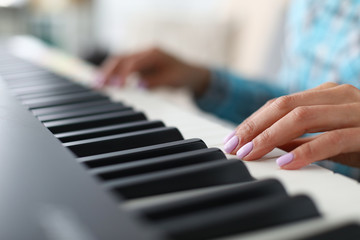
200 81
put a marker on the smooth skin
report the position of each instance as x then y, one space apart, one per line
155 68
330 109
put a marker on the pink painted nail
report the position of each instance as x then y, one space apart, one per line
97 85
245 150
230 135
231 144
285 159
99 77
99 81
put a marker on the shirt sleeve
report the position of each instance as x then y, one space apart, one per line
234 98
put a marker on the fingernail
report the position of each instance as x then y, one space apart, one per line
230 135
99 80
285 159
231 144
245 150
98 85
98 77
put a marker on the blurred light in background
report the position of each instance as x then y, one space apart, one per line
12 3
236 34
183 27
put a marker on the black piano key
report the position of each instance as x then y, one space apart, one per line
108 130
142 153
82 123
184 178
8 63
85 112
9 70
20 91
16 76
124 141
61 100
14 65
137 160
70 107
240 218
150 165
349 231
40 84
54 207
242 193
60 97
36 81
54 92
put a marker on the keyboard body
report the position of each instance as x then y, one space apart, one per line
45 193
80 173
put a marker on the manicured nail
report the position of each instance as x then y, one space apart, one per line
230 135
231 144
97 85
98 77
285 159
99 81
245 150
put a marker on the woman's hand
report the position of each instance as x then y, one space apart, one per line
330 108
155 68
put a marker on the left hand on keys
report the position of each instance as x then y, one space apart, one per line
332 110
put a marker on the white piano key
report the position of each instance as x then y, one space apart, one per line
291 231
307 180
336 196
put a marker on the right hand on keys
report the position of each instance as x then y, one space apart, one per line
155 68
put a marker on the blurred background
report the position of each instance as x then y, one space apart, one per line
244 36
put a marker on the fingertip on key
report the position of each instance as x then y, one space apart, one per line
245 150
231 144
99 81
229 136
285 159
98 85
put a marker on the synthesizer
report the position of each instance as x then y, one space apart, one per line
128 164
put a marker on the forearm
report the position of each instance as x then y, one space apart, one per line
234 98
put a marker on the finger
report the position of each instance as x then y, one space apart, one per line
257 123
321 86
163 77
232 142
333 143
289 146
117 66
303 120
143 63
151 82
268 103
108 70
324 86
236 140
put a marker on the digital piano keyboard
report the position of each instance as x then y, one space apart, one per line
125 164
